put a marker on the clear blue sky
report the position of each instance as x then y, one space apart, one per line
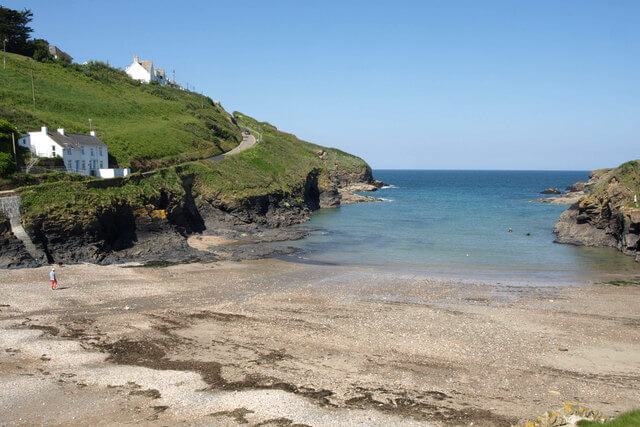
450 84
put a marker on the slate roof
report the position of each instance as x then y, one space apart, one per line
147 65
75 140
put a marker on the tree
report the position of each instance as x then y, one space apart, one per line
40 50
14 27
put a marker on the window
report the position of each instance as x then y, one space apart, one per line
92 153
77 165
53 151
101 164
82 150
84 165
100 151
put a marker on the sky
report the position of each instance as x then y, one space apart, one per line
431 84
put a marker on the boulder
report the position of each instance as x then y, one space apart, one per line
551 190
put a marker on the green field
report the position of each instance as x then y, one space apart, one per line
144 126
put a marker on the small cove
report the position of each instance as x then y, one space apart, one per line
455 224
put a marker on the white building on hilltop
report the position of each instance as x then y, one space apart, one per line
144 72
83 154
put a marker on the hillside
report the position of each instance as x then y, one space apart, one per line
607 215
144 126
150 215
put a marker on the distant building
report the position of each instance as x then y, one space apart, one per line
83 154
144 72
59 54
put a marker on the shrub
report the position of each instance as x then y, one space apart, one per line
7 165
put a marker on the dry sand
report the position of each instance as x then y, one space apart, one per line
275 343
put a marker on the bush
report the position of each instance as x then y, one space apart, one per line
7 165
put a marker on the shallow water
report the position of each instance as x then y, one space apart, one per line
454 223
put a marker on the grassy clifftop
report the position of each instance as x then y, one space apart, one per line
618 185
279 164
144 126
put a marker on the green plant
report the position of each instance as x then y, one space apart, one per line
7 165
628 419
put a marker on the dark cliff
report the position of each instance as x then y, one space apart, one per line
609 214
275 184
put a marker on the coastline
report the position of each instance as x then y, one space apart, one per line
267 340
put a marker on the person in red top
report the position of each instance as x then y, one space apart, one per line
52 277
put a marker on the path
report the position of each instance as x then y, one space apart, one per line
248 141
10 206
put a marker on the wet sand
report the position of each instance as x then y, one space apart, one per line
270 342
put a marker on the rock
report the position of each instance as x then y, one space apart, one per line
13 254
349 198
552 190
575 231
578 186
562 199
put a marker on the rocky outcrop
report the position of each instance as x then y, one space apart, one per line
12 251
552 190
158 231
606 215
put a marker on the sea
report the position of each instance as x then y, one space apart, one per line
454 224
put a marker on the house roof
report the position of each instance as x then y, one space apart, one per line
75 140
147 65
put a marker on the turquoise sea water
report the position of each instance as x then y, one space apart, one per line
454 224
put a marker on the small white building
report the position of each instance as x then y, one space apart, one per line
144 72
83 154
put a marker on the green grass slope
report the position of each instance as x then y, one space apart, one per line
279 164
144 126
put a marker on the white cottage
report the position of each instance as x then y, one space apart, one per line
141 70
83 154
144 72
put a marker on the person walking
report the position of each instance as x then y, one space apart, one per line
52 277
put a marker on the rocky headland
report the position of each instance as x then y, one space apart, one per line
606 212
158 228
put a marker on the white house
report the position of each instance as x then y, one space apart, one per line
144 72
83 154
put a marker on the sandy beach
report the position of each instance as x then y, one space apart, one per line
270 342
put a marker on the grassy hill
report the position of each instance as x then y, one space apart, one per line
144 126
159 129
280 164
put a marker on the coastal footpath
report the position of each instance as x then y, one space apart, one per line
607 212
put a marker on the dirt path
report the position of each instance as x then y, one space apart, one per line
275 343
248 141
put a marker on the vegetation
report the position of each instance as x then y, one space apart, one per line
625 420
620 184
144 126
279 164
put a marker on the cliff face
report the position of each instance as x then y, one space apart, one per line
607 215
12 251
158 228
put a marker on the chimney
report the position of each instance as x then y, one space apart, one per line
61 131
136 58
44 129
92 133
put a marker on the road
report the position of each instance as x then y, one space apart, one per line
248 141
